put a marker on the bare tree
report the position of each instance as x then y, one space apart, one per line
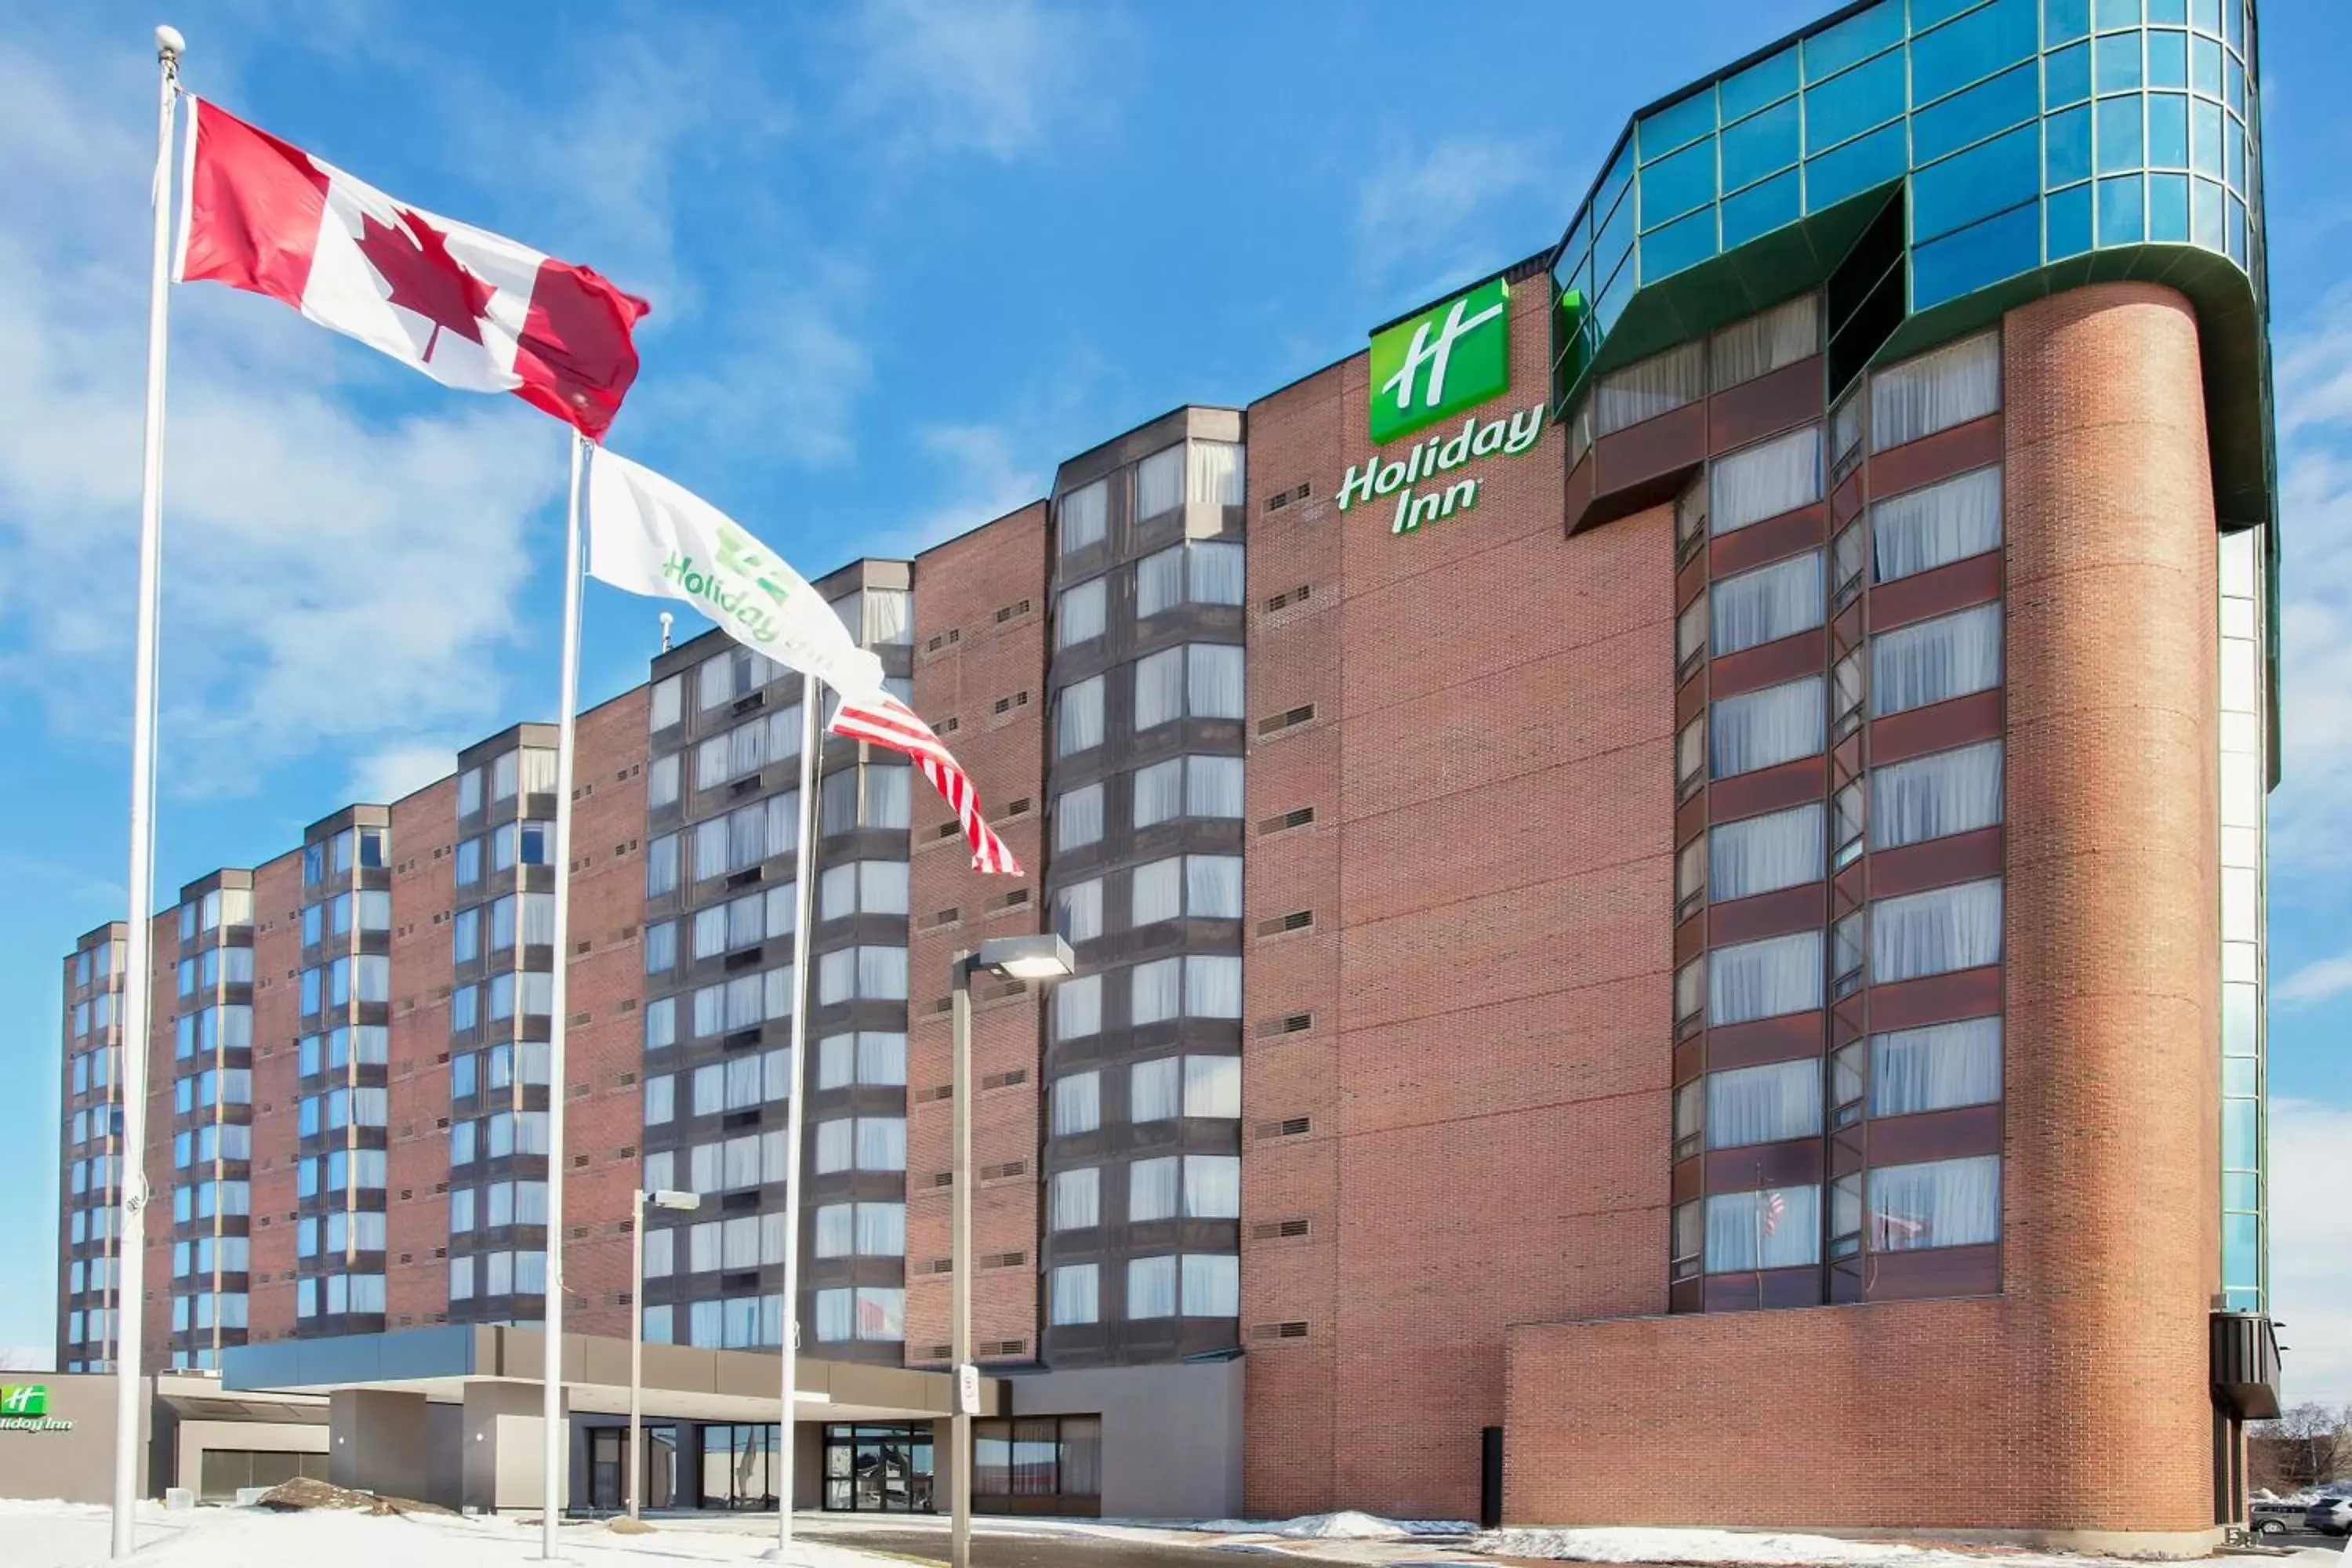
23 1358
2309 1445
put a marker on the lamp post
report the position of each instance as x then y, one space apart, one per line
1041 957
661 1199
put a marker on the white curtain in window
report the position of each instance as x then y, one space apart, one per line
1081 617
1739 1223
1078 724
1936 932
1077 1199
1155 991
1215 571
889 616
1153 1188
1159 482
1933 527
1077 1103
1762 344
1212 1085
1212 1186
1764 979
1650 387
835 1148
1084 511
1077 1294
1935 392
1764 1104
1151 1286
1940 1203
1943 793
1212 1285
1213 886
881 1057
1761 854
1216 477
710 849
1769 603
836 1235
1777 476
882 1230
836 1061
1935 1068
836 1315
1159 687
1159 792
1159 581
1213 986
1078 817
1216 685
1154 1091
1157 891
881 1143
1690 630
1763 728
1078 1007
889 796
1212 786
882 973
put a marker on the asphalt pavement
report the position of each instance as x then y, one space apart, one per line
1027 1550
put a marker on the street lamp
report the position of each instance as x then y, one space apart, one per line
661 1199
1042 957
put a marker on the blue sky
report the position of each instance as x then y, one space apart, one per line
904 255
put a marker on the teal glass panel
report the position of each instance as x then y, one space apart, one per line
1668 250
1762 144
1856 167
2173 11
2168 207
1761 208
1855 39
2205 66
2205 137
1925 13
2237 231
2242 1189
2207 14
2121 221
2233 24
2233 154
1972 49
2066 76
2117 67
1962 263
2243 1299
2233 84
2205 215
2242 1079
2063 20
2242 1248
1987 178
2241 1020
1613 182
2119 141
2118 13
1849 105
2240 1134
2068 215
2167 59
1766 81
2007 99
1674 185
2066 139
1676 125
1615 298
2167 131
1616 239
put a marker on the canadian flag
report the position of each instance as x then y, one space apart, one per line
470 308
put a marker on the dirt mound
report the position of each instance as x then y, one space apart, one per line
304 1493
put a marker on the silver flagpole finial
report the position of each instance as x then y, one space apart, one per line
169 44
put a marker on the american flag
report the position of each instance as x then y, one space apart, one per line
1774 1207
887 722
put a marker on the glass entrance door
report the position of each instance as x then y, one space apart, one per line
879 1470
608 1448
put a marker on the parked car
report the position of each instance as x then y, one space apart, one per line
2274 1516
2329 1516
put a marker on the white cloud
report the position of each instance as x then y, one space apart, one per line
2317 981
2315 414
1430 217
984 481
2311 1268
391 772
944 75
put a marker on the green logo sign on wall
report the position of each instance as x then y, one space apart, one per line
1453 356
25 1399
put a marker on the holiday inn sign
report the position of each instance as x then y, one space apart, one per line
1450 358
24 1407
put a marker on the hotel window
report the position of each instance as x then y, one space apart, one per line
1077 1008
1077 1294
1690 1117
1204 887
1078 817
1078 719
661 1023
1084 511
1078 912
1647 388
866 1312
1154 1189
1212 1087
1690 989
889 617
1937 391
1764 979
1763 343
1768 603
1188 786
1159 482
1690 631
1077 1103
1778 1228
1690 755
1199 572
1939 1203
1076 1199
1935 1068
1934 933
1932 796
1689 1243
1764 1104
1216 478
837 1231
469 872
1936 660
1080 613
661 865
662 781
1766 481
862 887
661 947
1155 1090
1213 1185
1763 853
667 706
1846 565
1212 1285
1936 526
1151 1288
1763 728
1202 679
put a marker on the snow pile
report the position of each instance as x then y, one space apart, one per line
1348 1524
1641 1544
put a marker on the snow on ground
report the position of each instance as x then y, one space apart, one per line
1630 1544
1346 1525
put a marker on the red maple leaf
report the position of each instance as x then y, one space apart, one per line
413 259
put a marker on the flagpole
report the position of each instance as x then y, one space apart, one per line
130 1021
555 1460
804 917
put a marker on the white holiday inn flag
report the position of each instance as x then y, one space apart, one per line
654 537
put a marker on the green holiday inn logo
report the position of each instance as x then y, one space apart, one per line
24 1399
1454 355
